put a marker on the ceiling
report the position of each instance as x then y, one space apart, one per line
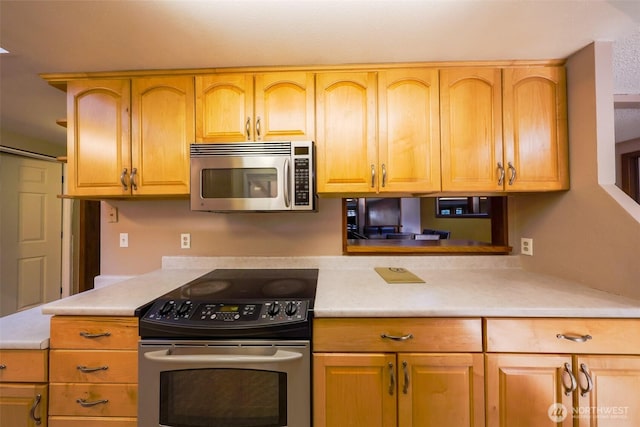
82 36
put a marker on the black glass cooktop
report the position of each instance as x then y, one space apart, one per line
249 284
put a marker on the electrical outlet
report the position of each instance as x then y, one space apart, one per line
124 240
185 241
526 246
112 214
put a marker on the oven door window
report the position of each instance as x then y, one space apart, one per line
240 183
223 397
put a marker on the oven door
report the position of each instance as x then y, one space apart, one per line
224 383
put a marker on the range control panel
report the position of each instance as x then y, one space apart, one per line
221 313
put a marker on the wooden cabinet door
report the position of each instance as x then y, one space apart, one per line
440 390
409 130
162 129
98 137
354 390
609 391
527 390
346 140
224 108
284 107
471 129
23 405
535 129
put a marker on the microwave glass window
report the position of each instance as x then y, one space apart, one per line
235 183
216 397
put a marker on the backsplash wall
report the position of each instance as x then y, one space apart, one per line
154 229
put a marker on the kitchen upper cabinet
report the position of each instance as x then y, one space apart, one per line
535 129
471 129
408 131
162 128
504 130
98 137
399 153
255 107
346 141
130 136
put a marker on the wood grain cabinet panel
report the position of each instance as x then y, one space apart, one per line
31 366
64 421
94 333
113 366
23 405
98 400
364 379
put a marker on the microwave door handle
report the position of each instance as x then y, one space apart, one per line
287 183
280 356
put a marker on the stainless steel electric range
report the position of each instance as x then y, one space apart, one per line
231 348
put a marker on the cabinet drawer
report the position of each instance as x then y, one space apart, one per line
105 400
607 336
87 333
366 334
24 366
92 422
107 366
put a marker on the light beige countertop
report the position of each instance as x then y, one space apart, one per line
469 286
25 330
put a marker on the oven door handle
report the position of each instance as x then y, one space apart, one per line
279 356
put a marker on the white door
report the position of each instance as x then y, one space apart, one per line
30 232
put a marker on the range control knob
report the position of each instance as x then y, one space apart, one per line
290 309
167 307
274 309
184 308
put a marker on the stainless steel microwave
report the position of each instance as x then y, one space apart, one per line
253 176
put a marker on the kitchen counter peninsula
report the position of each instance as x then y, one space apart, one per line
473 286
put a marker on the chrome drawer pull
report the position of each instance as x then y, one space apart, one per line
397 338
574 338
32 412
88 335
573 384
405 387
87 369
86 404
3 366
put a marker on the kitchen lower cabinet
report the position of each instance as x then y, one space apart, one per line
23 388
94 371
363 379
568 372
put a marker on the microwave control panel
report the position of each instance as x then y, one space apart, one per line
302 182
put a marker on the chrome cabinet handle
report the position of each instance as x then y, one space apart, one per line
86 369
3 366
392 379
247 128
32 412
373 176
573 384
258 131
587 375
384 175
396 337
85 404
123 180
501 169
134 173
405 370
91 336
574 338
513 173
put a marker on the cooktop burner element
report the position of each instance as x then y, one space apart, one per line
260 303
